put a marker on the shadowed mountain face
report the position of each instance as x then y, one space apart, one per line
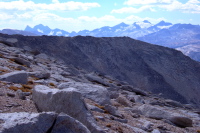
149 67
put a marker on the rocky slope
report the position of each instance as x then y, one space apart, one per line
193 51
148 67
35 88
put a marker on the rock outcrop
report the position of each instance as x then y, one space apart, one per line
68 101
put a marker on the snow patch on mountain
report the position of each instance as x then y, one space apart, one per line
41 31
51 33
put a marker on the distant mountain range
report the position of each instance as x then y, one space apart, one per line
135 30
183 37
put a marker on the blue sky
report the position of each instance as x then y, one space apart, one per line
76 15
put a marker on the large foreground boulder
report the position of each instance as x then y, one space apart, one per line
96 93
68 101
48 122
26 122
20 77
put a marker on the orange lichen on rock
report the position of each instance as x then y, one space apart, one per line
24 88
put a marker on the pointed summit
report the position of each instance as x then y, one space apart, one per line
163 23
121 25
28 28
146 21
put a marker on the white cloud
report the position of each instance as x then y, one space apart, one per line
146 2
4 16
192 6
19 21
133 10
86 22
55 6
194 1
55 1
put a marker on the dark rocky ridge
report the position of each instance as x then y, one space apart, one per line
149 67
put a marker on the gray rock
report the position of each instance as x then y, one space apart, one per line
96 79
22 95
96 93
68 101
10 94
100 118
123 101
22 61
154 112
119 120
67 124
113 94
112 110
181 121
40 74
174 103
134 129
147 126
20 77
94 108
161 113
8 41
136 98
155 131
26 123
21 68
42 56
132 89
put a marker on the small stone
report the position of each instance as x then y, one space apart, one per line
100 118
10 94
112 110
155 131
40 74
94 108
123 101
22 61
132 89
181 121
135 115
20 94
122 120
